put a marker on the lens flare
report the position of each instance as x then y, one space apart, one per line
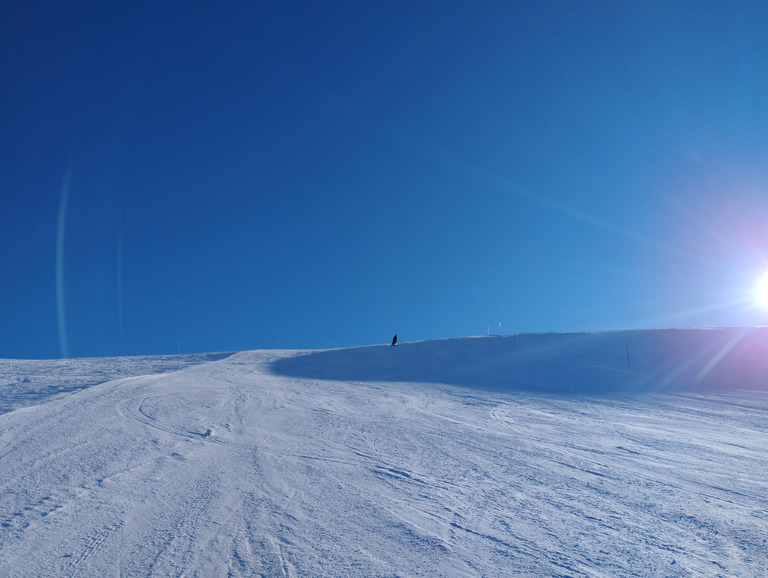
761 294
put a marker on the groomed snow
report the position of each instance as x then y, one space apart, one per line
584 454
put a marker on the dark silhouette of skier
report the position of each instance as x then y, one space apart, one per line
394 339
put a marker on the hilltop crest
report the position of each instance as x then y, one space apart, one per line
595 363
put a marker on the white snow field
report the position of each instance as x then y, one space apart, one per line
630 453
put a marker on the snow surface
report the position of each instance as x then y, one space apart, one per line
587 454
24 382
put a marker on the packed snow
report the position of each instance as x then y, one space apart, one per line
575 454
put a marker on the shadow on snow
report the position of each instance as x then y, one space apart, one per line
589 363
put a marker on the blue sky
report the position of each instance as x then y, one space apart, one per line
196 176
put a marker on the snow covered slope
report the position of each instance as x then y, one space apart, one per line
25 382
599 454
610 362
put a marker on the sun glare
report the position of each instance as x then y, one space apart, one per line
761 293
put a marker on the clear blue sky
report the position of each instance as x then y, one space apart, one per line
204 176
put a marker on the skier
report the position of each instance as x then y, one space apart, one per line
394 340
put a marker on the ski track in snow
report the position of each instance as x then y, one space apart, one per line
25 382
228 469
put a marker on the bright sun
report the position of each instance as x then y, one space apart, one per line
762 291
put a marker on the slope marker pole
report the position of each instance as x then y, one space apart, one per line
626 348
